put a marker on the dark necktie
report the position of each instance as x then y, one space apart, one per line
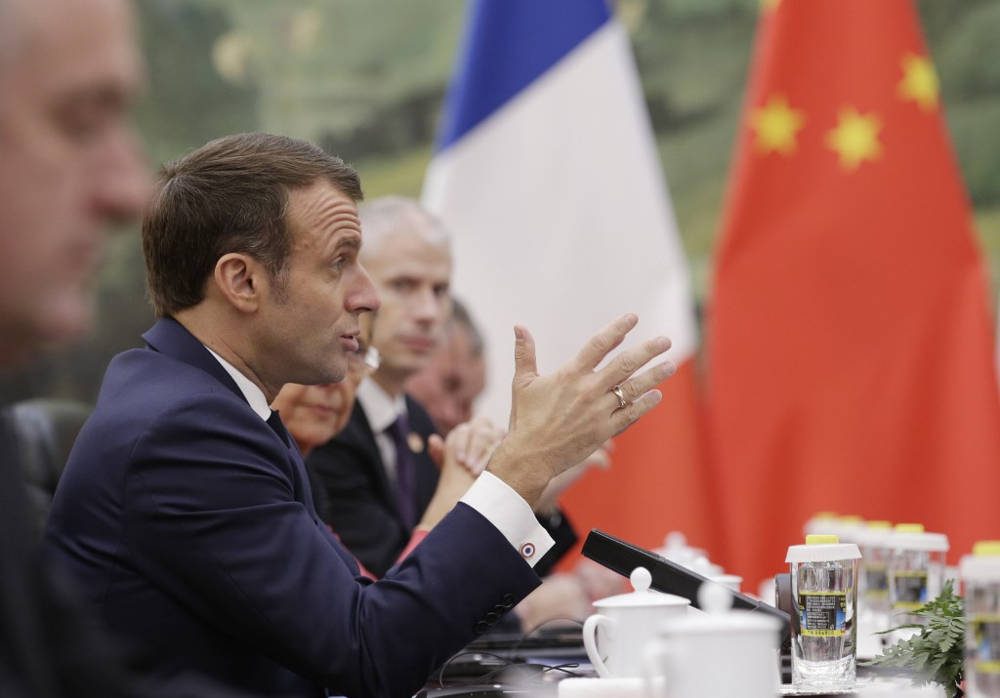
405 488
303 489
274 421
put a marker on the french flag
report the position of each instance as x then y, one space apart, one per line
547 175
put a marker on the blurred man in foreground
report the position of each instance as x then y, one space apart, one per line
69 167
185 506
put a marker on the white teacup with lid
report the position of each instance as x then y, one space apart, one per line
716 654
627 622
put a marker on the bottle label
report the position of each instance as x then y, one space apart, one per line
910 587
876 580
822 613
986 636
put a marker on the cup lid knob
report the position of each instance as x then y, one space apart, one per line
640 579
714 598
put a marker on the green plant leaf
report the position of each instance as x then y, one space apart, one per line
936 652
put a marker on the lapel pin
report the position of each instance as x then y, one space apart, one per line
415 442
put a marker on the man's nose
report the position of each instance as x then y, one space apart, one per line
427 305
122 180
362 295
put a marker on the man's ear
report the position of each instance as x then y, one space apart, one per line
241 280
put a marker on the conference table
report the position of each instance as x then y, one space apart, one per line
512 665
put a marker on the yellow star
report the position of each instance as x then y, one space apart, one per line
920 81
776 125
855 138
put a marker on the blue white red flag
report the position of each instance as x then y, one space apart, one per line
547 175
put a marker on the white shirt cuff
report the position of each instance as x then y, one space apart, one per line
507 510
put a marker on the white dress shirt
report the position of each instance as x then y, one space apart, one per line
493 498
381 410
253 394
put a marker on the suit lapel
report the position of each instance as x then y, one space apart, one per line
358 434
426 473
426 468
169 337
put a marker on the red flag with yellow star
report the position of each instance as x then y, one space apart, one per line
850 341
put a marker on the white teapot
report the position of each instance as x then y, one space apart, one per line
717 654
627 623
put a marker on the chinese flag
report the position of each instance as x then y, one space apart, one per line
850 342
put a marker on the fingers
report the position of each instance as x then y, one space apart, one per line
598 346
636 386
628 362
640 395
599 459
484 442
481 447
525 367
458 442
436 450
473 443
626 416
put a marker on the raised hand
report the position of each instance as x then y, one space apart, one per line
558 420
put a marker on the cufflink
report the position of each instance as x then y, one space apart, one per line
527 550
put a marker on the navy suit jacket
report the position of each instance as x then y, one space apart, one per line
359 501
362 506
189 522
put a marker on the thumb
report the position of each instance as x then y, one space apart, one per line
435 449
524 356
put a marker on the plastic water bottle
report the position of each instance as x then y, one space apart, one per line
981 577
825 593
916 571
822 523
873 586
850 528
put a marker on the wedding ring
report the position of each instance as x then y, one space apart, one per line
620 394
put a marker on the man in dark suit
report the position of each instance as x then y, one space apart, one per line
363 496
377 473
185 509
68 168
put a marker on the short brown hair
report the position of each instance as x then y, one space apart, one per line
230 195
